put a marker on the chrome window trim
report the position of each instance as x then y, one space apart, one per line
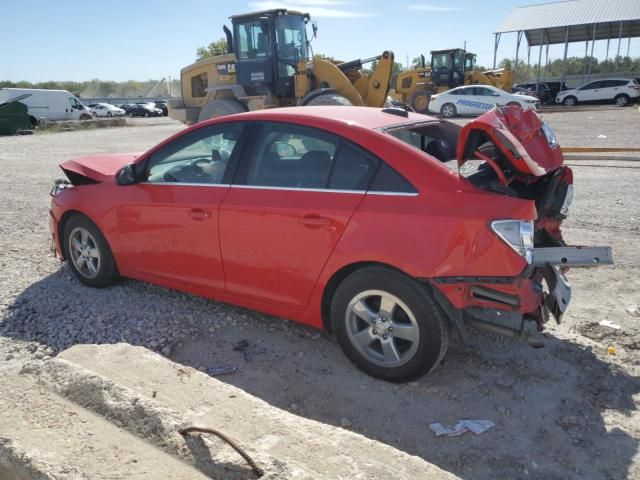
325 190
292 189
185 184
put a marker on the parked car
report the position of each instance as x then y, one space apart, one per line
556 87
162 105
540 90
48 104
475 100
620 91
107 110
342 218
142 110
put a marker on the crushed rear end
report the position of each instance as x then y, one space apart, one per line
512 152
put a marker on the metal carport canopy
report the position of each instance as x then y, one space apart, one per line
547 23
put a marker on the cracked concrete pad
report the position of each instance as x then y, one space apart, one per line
303 448
46 437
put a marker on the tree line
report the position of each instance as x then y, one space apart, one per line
101 88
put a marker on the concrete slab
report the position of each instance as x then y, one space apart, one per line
300 447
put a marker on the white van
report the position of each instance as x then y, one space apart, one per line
48 104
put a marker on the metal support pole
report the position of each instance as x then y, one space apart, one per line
546 61
606 57
629 45
564 57
540 56
593 41
618 52
495 48
515 67
528 59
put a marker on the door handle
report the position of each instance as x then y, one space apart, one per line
199 214
312 220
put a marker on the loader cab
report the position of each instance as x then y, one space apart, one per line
268 45
448 67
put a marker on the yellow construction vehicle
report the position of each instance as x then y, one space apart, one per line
270 65
454 67
449 69
414 87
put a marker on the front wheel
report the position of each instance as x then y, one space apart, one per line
570 102
88 253
388 325
419 101
448 110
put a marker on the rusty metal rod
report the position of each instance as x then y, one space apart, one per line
254 466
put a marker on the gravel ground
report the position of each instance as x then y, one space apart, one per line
567 411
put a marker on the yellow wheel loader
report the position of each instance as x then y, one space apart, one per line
449 69
270 65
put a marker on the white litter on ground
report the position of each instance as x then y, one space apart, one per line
610 324
463 426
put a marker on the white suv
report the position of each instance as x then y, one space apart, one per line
617 90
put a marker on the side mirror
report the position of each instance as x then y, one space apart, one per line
126 175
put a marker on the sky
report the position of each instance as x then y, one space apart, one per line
120 40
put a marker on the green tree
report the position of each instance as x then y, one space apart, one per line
215 48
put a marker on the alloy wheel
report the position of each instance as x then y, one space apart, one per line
84 252
382 328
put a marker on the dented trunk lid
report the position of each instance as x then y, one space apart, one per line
526 143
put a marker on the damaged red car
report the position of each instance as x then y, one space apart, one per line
348 219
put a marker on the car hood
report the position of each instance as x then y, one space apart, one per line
98 168
526 97
565 92
520 136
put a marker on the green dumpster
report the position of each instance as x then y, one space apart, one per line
14 116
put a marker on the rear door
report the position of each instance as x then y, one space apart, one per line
295 192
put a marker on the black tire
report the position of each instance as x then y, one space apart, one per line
622 100
415 312
85 116
570 101
220 108
448 110
106 271
109 114
329 99
419 101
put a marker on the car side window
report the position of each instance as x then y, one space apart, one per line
352 168
591 86
290 156
388 180
200 156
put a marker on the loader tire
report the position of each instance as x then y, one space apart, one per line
330 99
419 101
220 108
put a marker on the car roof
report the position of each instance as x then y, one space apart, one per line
367 117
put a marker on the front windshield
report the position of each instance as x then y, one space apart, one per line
291 37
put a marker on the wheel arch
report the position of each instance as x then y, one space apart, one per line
64 219
336 279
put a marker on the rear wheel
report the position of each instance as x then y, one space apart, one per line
622 100
329 99
85 116
109 114
419 101
88 253
448 110
220 108
388 325
570 102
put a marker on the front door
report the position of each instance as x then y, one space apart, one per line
295 193
168 224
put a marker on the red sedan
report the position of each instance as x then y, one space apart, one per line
343 218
